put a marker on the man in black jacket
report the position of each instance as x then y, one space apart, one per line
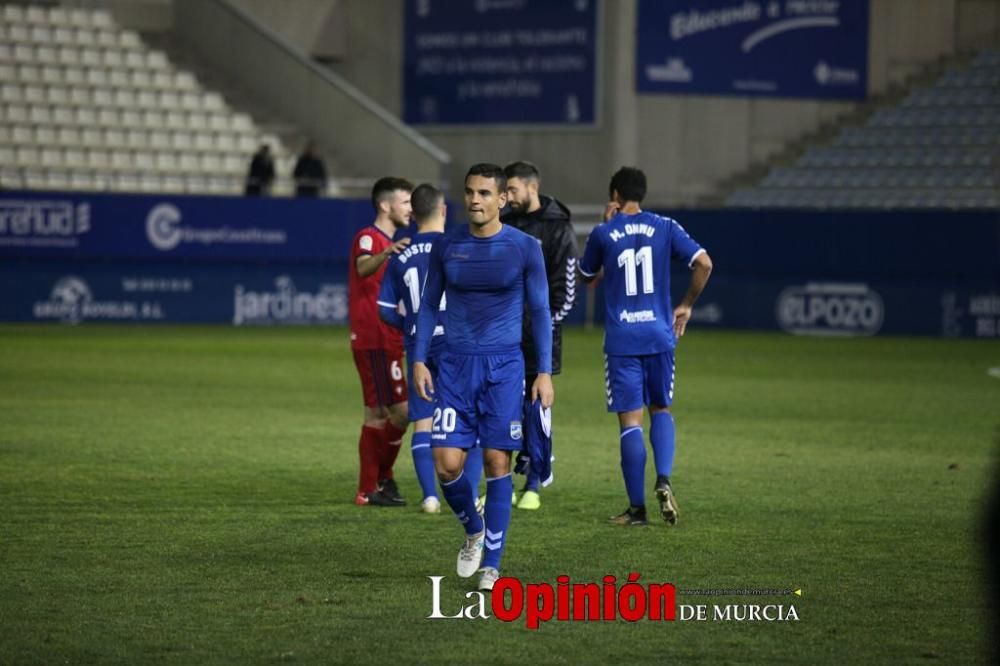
309 173
548 220
260 176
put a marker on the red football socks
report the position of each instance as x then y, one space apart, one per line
389 446
369 451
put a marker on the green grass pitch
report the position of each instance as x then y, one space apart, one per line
183 495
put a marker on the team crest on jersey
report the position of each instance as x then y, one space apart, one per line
366 243
515 430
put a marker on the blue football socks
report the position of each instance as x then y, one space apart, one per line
459 496
498 492
423 462
474 468
661 437
633 451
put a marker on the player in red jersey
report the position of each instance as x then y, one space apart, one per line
377 347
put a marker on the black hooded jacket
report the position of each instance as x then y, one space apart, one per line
550 224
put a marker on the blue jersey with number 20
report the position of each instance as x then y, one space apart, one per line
635 252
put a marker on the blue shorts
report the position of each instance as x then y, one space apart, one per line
479 398
634 382
417 408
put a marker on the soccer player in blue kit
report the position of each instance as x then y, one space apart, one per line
634 249
403 282
488 271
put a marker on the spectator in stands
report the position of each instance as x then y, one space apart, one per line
261 174
310 173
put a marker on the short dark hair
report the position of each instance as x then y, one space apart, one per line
487 170
384 187
522 170
630 183
425 200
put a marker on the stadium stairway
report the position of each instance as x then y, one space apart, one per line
270 122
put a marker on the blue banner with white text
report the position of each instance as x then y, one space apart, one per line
778 48
74 258
71 224
71 292
500 62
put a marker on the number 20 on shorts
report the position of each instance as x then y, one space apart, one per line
444 419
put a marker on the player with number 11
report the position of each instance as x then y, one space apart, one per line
633 249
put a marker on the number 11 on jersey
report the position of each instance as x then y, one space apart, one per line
631 259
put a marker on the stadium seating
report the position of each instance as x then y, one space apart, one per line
87 105
938 148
